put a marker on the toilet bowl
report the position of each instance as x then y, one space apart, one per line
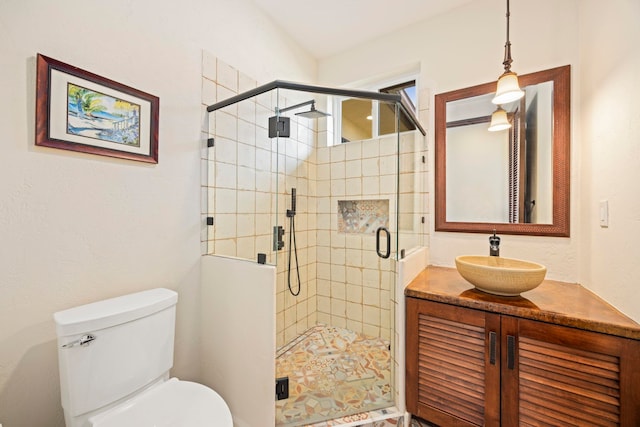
173 403
114 358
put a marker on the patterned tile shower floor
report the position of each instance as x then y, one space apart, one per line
333 372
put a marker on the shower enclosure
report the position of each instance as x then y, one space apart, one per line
285 187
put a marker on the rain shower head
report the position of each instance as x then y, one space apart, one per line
313 113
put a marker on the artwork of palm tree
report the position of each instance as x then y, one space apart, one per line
96 115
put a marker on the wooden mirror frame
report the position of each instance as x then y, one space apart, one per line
561 77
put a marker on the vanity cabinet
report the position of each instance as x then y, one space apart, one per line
474 359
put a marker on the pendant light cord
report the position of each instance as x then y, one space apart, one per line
507 47
508 15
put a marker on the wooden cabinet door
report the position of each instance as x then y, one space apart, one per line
453 364
560 376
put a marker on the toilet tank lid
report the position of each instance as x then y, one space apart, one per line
113 311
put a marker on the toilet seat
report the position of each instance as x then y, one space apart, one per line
173 403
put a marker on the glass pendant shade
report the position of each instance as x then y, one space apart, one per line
508 89
499 120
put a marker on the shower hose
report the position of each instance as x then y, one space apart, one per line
294 247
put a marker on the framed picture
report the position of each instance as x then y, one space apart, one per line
81 111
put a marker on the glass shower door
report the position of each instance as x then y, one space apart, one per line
333 214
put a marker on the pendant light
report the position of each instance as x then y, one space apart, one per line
508 89
499 120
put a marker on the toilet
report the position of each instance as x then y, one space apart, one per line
114 358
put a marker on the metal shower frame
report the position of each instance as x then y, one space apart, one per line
347 93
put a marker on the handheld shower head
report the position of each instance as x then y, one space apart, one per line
292 212
293 199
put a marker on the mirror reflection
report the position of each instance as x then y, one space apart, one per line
515 179
504 175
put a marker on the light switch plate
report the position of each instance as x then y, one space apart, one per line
604 213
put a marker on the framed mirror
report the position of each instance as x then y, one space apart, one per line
516 180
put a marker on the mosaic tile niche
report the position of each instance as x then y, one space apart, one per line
362 216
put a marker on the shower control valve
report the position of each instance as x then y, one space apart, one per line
278 237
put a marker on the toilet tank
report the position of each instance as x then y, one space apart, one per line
132 346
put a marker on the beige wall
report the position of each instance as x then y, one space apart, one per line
609 134
76 228
600 44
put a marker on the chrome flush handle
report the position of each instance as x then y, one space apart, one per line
83 341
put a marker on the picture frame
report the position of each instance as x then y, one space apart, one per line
81 111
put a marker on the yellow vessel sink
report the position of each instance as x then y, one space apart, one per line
500 276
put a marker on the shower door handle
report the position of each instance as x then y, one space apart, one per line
378 232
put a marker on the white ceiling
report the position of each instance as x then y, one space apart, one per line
326 27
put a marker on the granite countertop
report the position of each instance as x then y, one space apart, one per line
561 303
